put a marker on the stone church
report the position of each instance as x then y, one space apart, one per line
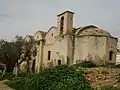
65 44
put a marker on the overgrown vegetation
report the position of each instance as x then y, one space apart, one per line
91 64
59 78
62 77
110 65
7 76
86 64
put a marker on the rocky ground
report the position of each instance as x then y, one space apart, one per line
99 77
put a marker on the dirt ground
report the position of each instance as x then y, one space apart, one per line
99 77
4 87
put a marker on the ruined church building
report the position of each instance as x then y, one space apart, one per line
67 45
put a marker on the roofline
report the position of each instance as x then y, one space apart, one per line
92 35
97 36
29 35
114 38
85 27
50 28
65 12
38 32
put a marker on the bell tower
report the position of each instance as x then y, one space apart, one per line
65 26
65 22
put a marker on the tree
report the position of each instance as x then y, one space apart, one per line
29 52
19 43
10 52
13 53
7 54
26 51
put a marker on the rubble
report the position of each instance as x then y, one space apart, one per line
101 76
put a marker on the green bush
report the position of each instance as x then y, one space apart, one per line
108 65
118 78
16 83
111 65
86 64
117 66
7 75
23 74
59 78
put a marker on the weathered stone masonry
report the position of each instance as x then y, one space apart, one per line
67 45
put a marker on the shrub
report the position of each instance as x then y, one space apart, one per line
16 83
8 76
59 78
109 65
118 78
87 64
117 66
22 74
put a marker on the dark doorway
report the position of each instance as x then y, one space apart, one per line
68 60
59 62
33 66
110 55
49 54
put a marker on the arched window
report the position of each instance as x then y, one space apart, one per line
110 55
61 25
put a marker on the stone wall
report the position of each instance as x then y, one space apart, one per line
81 48
111 46
90 48
97 49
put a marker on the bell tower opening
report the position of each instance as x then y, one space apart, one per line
65 22
61 25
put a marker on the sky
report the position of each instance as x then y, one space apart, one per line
25 17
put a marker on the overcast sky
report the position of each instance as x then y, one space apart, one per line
25 17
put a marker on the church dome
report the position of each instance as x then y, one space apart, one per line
92 30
